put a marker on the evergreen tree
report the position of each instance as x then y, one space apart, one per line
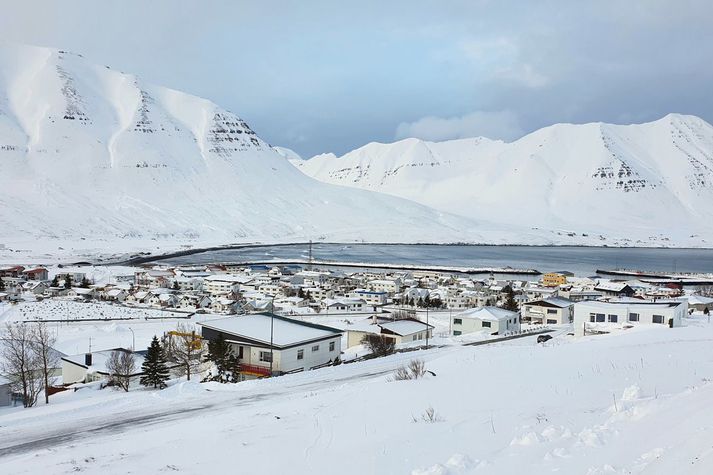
176 286
68 282
2 284
220 353
154 367
510 303
85 283
55 282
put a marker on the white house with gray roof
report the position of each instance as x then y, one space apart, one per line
291 345
493 320
552 311
406 330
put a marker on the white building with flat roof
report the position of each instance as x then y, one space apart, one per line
598 316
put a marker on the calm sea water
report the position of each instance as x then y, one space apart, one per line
582 261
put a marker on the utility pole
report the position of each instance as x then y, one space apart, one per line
427 326
309 266
272 330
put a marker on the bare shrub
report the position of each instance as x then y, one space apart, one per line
20 363
379 345
402 374
121 366
417 368
429 415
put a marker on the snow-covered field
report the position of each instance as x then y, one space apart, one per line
633 402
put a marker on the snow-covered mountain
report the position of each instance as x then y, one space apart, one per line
93 155
649 183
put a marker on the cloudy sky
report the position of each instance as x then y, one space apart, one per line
320 76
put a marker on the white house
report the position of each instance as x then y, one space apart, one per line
81 293
137 297
193 302
344 305
390 286
223 305
406 330
597 316
88 367
493 320
318 293
222 284
552 311
291 345
35 286
117 295
372 298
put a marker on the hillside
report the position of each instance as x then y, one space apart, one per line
634 402
92 158
651 184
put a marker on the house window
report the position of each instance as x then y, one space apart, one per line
613 318
486 324
240 352
315 348
415 337
265 356
601 317
633 317
331 346
457 321
300 354
657 318
552 311
592 317
457 333
551 322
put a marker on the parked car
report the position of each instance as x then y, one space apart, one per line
543 338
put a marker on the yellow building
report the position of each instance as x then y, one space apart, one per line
552 279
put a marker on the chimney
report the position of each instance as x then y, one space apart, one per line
88 359
374 319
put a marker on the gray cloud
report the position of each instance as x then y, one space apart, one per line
502 125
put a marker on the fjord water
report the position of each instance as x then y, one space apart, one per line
583 261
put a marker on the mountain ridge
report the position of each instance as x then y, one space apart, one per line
93 157
555 176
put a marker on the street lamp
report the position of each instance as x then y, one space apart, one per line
133 339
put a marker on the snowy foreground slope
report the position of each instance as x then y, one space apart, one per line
651 183
95 158
636 402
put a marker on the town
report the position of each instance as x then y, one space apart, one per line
271 320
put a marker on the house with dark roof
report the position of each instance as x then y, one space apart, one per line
268 344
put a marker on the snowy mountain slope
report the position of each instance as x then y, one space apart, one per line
651 182
92 155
